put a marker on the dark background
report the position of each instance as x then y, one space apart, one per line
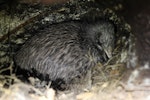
137 14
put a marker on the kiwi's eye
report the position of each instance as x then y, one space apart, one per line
98 41
111 37
101 40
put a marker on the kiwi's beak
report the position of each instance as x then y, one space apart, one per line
108 51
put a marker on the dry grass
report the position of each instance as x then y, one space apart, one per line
110 89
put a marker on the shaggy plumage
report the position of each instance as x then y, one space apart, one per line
67 50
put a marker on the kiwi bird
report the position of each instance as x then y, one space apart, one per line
67 50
